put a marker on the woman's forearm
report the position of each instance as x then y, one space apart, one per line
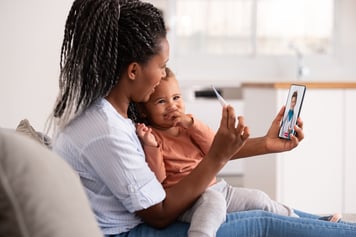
253 147
182 195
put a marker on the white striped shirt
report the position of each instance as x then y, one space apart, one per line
102 146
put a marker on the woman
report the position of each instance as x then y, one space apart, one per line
114 53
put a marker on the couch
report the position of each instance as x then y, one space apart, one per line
40 195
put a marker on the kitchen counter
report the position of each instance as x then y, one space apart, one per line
315 85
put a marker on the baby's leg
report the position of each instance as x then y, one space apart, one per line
242 199
206 215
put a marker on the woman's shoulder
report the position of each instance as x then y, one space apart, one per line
99 120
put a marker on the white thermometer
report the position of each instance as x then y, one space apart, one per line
220 98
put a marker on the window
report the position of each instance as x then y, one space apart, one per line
249 27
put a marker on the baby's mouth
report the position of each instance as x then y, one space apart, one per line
167 116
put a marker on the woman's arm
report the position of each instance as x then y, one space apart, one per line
182 195
271 143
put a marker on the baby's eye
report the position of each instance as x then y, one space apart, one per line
177 97
160 101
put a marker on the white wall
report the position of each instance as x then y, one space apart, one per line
339 66
31 35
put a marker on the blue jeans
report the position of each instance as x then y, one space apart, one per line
258 224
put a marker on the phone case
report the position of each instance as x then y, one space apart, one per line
293 106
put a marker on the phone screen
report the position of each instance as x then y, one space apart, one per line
293 106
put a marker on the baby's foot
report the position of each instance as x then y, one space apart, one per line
333 218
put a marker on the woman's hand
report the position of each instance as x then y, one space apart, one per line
230 137
276 144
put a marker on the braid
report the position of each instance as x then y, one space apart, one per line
101 38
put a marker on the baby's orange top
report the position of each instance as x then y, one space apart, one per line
177 156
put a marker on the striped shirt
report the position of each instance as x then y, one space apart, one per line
102 146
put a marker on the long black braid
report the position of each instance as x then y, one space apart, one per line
101 38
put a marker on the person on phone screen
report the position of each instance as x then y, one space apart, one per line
290 119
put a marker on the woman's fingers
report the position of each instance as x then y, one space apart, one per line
278 119
224 118
231 117
228 118
231 135
242 129
246 133
299 129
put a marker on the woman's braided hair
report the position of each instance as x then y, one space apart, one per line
101 38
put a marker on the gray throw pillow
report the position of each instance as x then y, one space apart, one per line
40 195
26 128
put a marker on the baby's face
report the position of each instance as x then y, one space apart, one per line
165 103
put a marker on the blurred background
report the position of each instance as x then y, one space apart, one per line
228 43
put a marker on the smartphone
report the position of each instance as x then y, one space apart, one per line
293 106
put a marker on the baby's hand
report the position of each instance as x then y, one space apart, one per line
180 119
145 135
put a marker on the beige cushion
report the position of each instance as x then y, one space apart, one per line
26 128
40 195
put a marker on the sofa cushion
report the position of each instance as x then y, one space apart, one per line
26 128
40 195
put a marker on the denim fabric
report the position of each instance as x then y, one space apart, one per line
258 224
177 229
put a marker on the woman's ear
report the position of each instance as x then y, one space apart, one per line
133 70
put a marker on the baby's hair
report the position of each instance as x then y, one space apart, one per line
101 38
169 74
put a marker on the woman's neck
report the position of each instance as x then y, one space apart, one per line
118 100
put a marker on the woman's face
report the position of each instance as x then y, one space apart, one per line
150 74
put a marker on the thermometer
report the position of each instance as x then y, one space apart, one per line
220 98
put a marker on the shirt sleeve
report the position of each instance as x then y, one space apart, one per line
120 162
154 158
